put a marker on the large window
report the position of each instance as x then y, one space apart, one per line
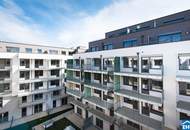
39 51
131 81
38 108
156 85
4 117
54 82
79 111
99 123
28 50
38 96
4 87
24 111
129 43
107 47
184 62
24 86
1 102
92 49
173 37
13 49
53 51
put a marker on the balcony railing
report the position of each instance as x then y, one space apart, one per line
135 115
139 96
77 80
98 86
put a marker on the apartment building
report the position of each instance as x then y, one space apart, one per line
136 78
31 82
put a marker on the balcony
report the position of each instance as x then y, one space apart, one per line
91 68
5 88
31 103
5 76
78 103
39 64
39 74
137 117
5 64
54 73
54 64
74 92
73 80
98 102
24 64
102 115
54 83
99 86
138 96
152 65
183 106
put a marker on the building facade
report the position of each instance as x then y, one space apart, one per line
134 86
31 82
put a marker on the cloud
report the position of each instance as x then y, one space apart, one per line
85 27
17 27
120 13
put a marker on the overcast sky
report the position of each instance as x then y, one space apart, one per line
70 23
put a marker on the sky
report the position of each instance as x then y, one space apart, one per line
70 23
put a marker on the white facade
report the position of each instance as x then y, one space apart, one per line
151 88
32 82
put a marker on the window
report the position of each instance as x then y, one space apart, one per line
64 101
63 52
13 49
38 96
24 113
39 51
24 86
97 62
28 50
38 63
55 62
77 74
38 108
174 37
156 85
37 85
24 99
54 103
56 93
184 62
97 76
158 62
4 87
97 91
54 82
92 49
25 74
1 102
79 111
100 109
25 62
127 100
4 74
4 117
99 123
53 51
38 73
55 72
107 47
129 43
131 81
